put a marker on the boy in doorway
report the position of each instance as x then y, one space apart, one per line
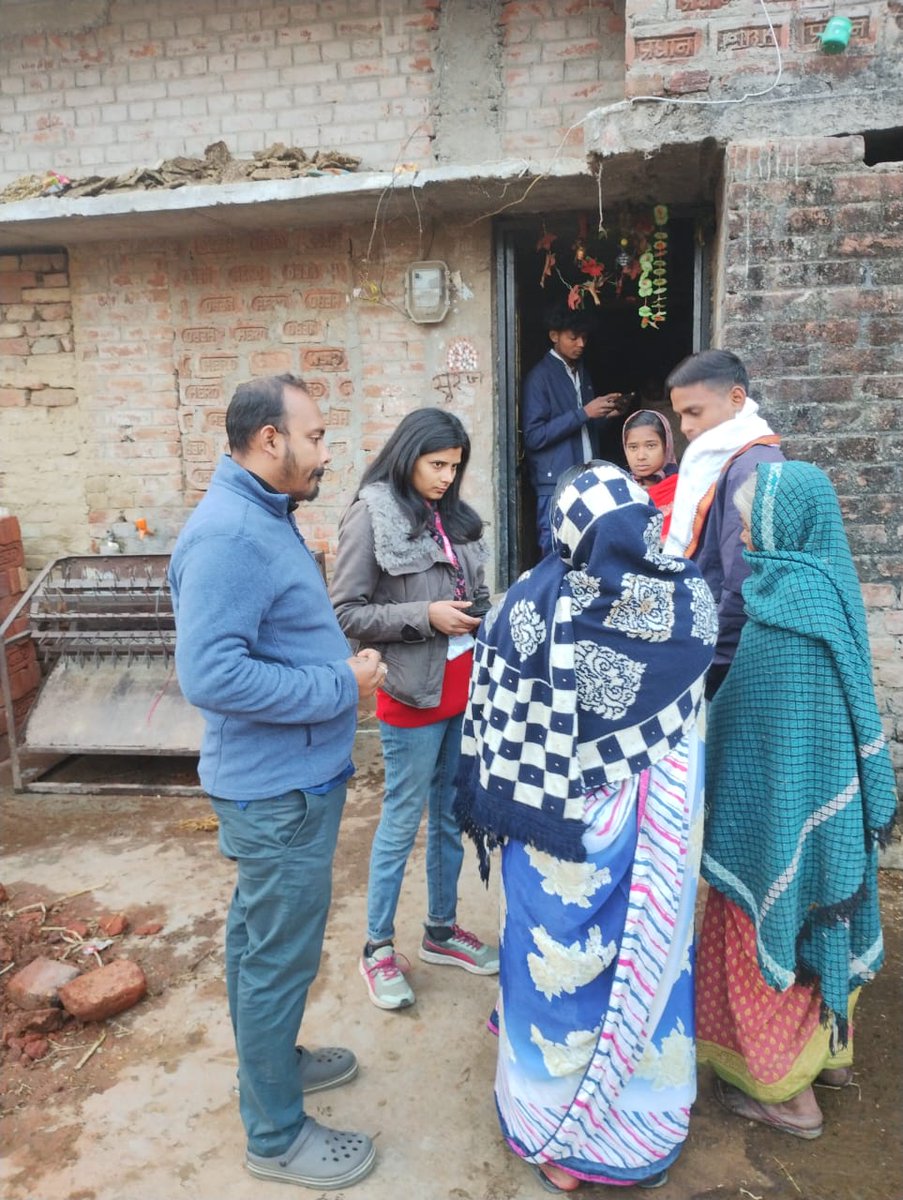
727 438
560 416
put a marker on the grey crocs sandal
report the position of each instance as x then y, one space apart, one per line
319 1157
328 1067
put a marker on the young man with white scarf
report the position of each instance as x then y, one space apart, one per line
728 439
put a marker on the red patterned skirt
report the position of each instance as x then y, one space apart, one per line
769 1044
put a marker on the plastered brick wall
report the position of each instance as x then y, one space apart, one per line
151 79
813 301
163 334
38 394
156 78
725 48
130 462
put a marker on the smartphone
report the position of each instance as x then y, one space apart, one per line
480 603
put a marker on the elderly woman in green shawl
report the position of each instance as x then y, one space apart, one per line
799 795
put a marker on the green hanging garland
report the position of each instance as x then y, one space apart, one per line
652 286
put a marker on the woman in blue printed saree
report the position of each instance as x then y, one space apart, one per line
580 760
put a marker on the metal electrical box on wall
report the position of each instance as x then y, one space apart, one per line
426 291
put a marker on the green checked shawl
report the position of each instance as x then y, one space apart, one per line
799 784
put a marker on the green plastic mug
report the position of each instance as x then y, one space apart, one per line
836 34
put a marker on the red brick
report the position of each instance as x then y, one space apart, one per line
35 1047
13 581
21 655
24 682
54 312
15 346
20 279
38 985
113 924
869 245
808 220
43 262
104 992
866 185
682 82
12 555
39 1020
823 151
9 530
21 709
13 397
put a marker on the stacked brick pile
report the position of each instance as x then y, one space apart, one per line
21 658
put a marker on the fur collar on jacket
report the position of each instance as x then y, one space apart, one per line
395 552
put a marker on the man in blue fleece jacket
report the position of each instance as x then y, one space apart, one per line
259 651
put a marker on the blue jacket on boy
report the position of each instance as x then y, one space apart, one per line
553 421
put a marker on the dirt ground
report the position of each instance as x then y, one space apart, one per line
151 1115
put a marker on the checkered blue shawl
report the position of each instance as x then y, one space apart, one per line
799 782
589 671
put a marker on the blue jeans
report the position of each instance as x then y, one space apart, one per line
420 765
283 848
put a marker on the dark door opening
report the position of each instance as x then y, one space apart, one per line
622 354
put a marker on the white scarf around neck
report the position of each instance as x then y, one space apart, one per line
702 463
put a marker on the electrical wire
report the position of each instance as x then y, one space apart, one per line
729 100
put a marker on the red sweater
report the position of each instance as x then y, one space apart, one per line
452 701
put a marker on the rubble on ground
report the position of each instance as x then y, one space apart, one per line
54 981
104 992
217 166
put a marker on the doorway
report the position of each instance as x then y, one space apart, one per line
638 335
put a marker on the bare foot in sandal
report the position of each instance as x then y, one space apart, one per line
799 1116
559 1179
835 1077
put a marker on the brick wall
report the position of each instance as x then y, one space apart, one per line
724 47
124 327
163 333
157 78
151 79
39 397
813 300
561 58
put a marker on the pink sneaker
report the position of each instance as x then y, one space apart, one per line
461 949
385 979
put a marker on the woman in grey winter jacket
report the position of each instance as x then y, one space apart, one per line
408 568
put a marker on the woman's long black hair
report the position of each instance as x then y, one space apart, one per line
424 431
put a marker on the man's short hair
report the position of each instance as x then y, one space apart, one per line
717 368
561 318
257 403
